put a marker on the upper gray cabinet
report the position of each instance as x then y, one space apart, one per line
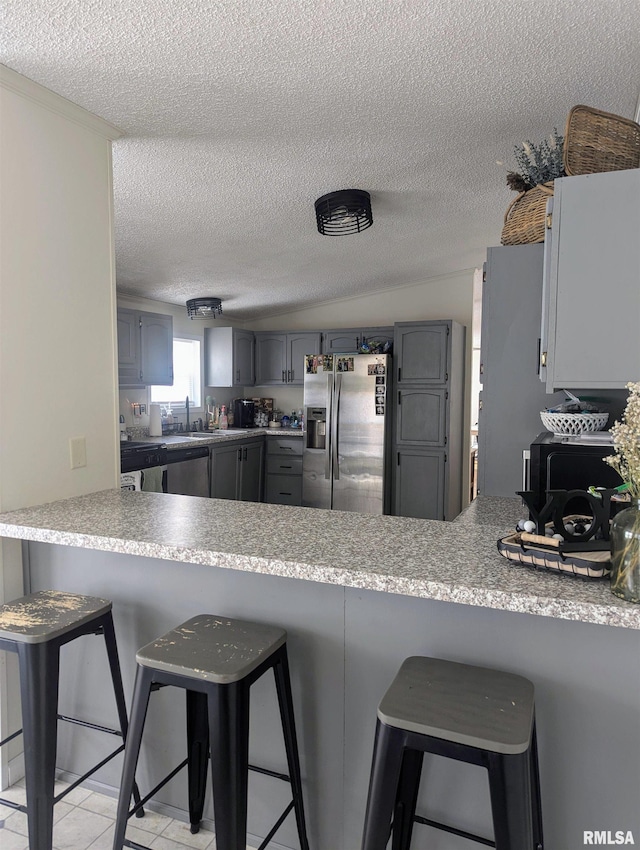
145 348
229 357
280 356
592 283
421 352
350 339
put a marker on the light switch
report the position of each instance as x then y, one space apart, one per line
78 452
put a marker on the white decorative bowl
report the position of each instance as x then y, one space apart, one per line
573 423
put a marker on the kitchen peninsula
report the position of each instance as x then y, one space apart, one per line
357 594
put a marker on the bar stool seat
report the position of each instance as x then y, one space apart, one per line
215 660
473 714
35 627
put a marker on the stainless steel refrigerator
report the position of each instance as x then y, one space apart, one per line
344 464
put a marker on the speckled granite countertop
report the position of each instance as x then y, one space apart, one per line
186 439
453 562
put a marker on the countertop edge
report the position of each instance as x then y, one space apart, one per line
357 579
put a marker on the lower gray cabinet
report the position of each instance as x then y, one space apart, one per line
420 483
237 470
284 471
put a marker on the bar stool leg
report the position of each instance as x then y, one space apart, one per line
511 803
406 799
140 703
109 633
536 801
285 703
383 784
198 754
229 736
39 666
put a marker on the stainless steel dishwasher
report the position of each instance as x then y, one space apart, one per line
188 471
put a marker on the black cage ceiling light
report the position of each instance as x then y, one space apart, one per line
204 308
344 212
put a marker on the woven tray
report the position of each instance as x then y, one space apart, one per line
586 565
599 141
524 220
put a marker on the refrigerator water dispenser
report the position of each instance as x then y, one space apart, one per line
316 427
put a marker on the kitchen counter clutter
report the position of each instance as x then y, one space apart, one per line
452 562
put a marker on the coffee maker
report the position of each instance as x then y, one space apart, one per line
243 413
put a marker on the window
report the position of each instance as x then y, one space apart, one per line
186 375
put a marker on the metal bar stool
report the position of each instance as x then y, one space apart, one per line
471 714
215 660
35 627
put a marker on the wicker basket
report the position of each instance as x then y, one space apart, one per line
524 219
573 423
599 141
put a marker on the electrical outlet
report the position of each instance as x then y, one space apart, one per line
143 408
78 452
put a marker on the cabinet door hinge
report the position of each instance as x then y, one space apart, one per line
543 359
484 272
448 330
445 441
139 323
446 377
548 221
445 457
140 374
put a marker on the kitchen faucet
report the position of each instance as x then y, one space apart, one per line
187 406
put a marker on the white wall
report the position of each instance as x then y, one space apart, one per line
57 308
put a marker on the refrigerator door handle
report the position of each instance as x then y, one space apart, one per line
335 428
328 426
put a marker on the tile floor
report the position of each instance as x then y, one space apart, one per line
85 820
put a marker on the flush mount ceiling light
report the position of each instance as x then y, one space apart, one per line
204 308
343 212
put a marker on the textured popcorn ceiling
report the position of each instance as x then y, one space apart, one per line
238 114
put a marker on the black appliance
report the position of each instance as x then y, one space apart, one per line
243 413
567 463
135 455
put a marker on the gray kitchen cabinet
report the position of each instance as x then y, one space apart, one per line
512 395
145 348
284 470
280 356
350 339
593 282
229 357
421 416
428 434
421 350
237 470
420 483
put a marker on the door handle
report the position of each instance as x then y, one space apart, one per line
244 457
329 424
336 429
284 379
289 376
